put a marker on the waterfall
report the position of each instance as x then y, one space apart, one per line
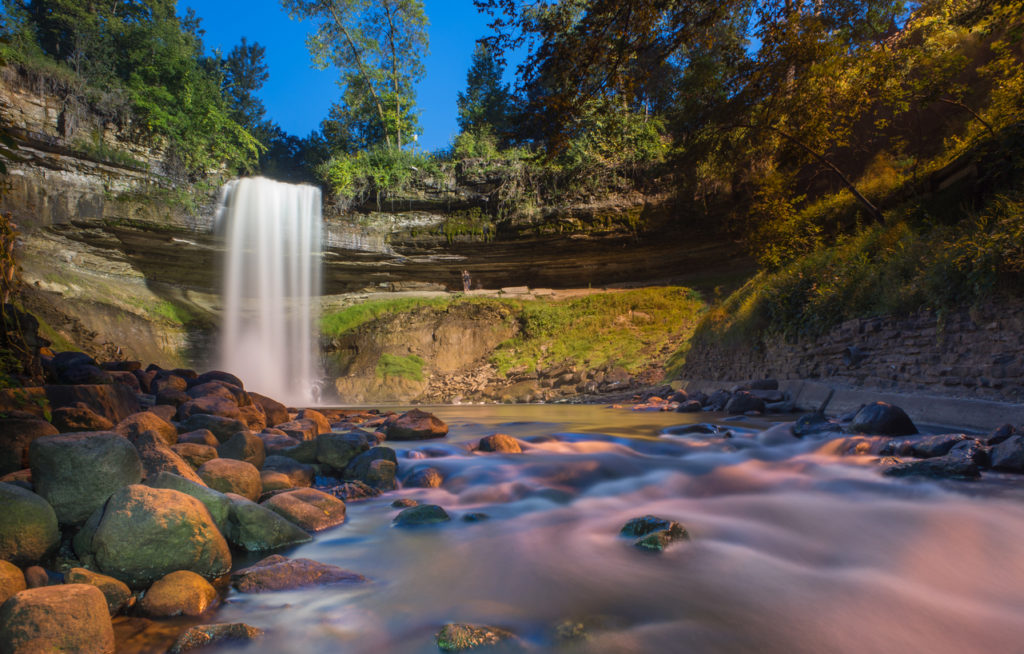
271 287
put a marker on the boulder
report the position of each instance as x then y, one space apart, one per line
62 361
300 474
194 453
275 412
28 526
924 447
232 476
165 412
85 374
351 491
168 383
404 503
217 375
223 428
79 418
256 528
115 402
244 446
173 398
138 423
689 406
499 443
336 450
1009 454
942 467
157 457
998 435
76 473
364 469
276 573
456 637
16 434
883 419
301 430
424 514
416 425
424 478
214 405
116 592
37 576
215 502
12 580
744 402
275 481
143 533
253 416
199 437
213 635
145 379
178 593
279 443
308 508
322 424
652 533
66 618
221 389
973 450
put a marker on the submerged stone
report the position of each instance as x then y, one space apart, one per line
214 634
653 533
276 573
456 637
425 514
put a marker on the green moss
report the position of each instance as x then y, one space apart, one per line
59 342
350 318
407 367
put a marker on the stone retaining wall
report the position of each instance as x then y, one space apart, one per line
976 353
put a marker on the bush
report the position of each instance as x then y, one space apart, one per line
378 172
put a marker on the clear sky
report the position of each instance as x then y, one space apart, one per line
297 97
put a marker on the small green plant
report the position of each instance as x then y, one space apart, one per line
376 173
406 367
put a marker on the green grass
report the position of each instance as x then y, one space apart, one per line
351 318
407 367
173 312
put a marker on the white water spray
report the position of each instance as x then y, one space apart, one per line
271 286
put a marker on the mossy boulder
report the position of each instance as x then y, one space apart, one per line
244 446
16 434
422 515
337 450
115 591
28 525
215 502
256 528
65 618
308 508
232 476
653 533
457 637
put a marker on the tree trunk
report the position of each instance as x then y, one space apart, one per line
362 71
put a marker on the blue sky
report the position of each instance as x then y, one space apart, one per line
297 97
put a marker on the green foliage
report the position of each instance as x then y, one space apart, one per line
471 222
486 105
407 367
378 173
97 148
352 317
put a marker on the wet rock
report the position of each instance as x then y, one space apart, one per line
999 434
457 637
689 406
157 457
116 592
215 502
404 503
814 423
376 467
883 419
179 593
499 443
299 474
78 419
143 533
275 412
351 491
209 635
12 580
28 525
232 476
279 443
244 446
743 402
139 423
424 514
195 454
16 434
66 618
943 467
337 450
654 533
718 400
416 425
1009 454
925 447
475 516
223 428
76 473
779 434
276 573
972 450
424 478
256 528
200 437
308 508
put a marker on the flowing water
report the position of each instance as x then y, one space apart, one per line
793 549
271 277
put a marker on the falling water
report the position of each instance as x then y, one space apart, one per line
271 282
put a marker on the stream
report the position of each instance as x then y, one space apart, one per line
792 549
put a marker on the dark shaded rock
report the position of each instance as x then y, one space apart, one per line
244 446
66 618
275 412
256 528
743 402
455 637
12 580
168 383
654 533
276 573
16 434
215 502
337 450
172 397
1009 454
763 384
85 374
362 468
404 503
351 491
299 474
116 592
943 467
157 457
80 418
221 389
925 447
200 437
424 478
998 435
689 406
145 379
139 423
211 635
308 508
814 423
121 366
253 416
144 533
475 516
28 526
76 473
680 397
223 428
500 443
232 476
178 593
214 405
216 375
416 425
278 443
126 378
195 454
63 361
718 400
424 514
972 450
37 577
883 419
115 402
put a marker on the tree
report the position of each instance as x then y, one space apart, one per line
486 103
378 48
245 72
